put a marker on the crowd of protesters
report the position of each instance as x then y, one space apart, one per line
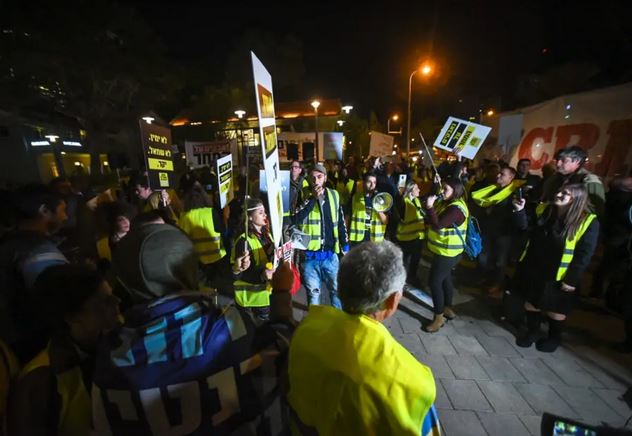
110 321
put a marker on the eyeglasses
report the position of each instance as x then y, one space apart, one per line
295 167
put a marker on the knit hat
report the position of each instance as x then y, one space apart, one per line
320 168
155 260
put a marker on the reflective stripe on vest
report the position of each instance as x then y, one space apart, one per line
446 242
358 221
482 198
312 225
252 294
207 242
412 225
569 244
75 414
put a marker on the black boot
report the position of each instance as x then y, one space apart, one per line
550 344
533 330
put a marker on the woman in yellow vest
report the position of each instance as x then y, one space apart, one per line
411 230
559 248
202 223
444 216
52 394
251 278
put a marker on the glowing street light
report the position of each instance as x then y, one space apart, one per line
316 104
426 69
240 113
340 122
346 109
388 125
490 112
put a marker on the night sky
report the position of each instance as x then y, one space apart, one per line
363 53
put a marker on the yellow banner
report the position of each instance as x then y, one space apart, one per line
160 164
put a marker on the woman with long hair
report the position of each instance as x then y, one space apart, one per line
446 220
411 230
251 259
559 248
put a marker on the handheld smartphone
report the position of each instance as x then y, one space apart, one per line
520 194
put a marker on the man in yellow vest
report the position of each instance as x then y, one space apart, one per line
202 223
347 374
366 224
494 211
52 394
321 217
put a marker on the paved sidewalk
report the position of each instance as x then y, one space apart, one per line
488 386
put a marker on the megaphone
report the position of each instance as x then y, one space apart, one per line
382 202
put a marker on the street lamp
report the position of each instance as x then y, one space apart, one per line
315 105
426 69
240 114
490 112
388 125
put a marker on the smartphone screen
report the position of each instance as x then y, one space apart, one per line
561 428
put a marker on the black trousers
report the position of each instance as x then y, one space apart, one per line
440 280
495 257
412 255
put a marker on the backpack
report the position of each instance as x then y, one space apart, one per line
473 242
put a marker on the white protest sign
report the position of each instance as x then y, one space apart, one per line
381 144
462 138
225 180
269 148
203 153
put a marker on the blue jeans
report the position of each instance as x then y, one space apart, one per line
316 272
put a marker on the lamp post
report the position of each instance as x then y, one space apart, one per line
315 105
426 70
388 125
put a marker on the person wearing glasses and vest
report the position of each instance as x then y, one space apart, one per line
298 186
558 251
201 222
321 217
444 216
366 224
492 207
252 275
411 230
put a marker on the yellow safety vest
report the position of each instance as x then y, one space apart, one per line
483 198
252 294
312 226
103 248
446 242
412 225
207 242
75 415
345 189
569 244
349 376
358 220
